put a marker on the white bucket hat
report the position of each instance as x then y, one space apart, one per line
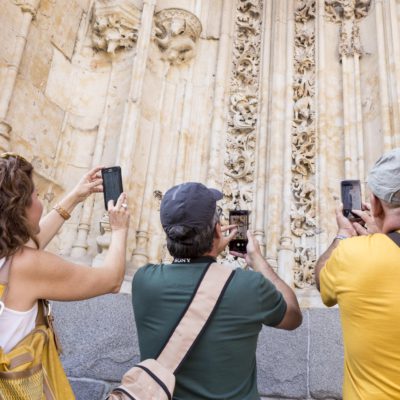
384 177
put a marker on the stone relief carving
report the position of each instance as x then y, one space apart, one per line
303 216
243 109
115 25
305 259
176 34
348 13
305 10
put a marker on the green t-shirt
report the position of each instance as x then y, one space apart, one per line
222 365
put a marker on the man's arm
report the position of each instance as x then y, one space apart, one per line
50 224
293 317
345 230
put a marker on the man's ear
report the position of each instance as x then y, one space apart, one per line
217 231
376 206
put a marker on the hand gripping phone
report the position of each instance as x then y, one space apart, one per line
240 218
351 198
112 184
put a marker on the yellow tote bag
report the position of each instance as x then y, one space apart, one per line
32 370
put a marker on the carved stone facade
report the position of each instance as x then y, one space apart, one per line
239 158
274 102
303 215
348 13
115 25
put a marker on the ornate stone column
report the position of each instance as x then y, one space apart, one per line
261 206
28 9
389 71
348 13
131 117
303 213
286 246
115 26
176 33
239 162
220 97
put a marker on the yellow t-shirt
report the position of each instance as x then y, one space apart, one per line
363 277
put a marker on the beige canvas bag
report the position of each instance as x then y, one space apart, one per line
155 379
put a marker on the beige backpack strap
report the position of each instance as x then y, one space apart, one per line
198 313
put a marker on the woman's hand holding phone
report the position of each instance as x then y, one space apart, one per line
91 182
119 214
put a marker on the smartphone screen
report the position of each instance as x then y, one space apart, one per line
240 218
351 198
112 184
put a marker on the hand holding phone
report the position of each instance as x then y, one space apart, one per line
351 199
240 218
112 184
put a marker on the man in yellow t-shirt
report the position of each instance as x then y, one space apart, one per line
360 272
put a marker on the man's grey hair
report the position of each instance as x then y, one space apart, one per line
184 242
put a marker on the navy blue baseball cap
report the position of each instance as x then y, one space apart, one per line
190 204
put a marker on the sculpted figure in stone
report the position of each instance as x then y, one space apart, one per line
176 34
243 108
303 109
305 10
362 8
251 7
305 259
110 33
303 85
247 67
305 36
304 59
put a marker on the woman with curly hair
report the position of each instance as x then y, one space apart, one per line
32 273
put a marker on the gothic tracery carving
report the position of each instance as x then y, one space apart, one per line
303 217
177 32
115 25
243 108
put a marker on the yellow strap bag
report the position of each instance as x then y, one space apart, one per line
32 370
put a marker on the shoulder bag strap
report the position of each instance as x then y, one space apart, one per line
395 236
194 320
4 276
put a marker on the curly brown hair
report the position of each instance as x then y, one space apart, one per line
16 188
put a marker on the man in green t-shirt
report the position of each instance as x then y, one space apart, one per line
222 364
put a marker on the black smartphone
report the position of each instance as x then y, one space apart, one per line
112 184
240 218
351 198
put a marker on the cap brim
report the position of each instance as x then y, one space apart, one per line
216 194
